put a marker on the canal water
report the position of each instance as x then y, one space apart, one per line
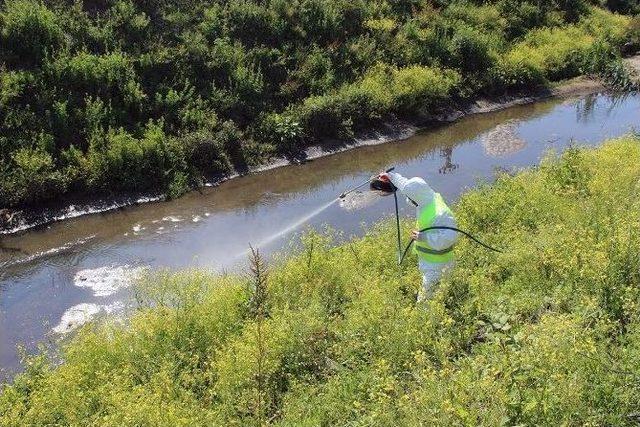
54 278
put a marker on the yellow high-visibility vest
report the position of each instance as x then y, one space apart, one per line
426 219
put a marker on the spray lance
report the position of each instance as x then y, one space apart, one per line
369 182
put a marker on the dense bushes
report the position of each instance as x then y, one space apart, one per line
546 333
30 31
356 106
229 84
550 54
382 90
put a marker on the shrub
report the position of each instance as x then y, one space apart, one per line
178 185
471 50
325 117
283 131
109 76
519 69
485 18
316 73
607 27
14 86
633 35
382 91
33 177
521 17
421 87
232 139
29 32
251 23
129 163
206 152
623 6
559 53
127 24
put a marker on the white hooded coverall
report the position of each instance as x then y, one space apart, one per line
419 191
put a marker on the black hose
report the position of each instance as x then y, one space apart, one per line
395 200
443 227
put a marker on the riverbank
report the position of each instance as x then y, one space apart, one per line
174 103
397 130
544 334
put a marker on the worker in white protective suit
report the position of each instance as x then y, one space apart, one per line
434 248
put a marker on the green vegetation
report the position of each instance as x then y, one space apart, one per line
122 95
547 333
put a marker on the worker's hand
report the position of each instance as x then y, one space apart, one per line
415 235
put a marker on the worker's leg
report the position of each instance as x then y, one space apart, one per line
431 274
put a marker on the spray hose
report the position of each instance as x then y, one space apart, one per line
442 227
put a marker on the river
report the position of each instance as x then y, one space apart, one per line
53 278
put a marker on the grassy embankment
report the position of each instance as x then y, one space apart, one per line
547 333
121 95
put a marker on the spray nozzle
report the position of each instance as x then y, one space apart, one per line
384 185
368 181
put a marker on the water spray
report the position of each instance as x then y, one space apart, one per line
296 224
374 182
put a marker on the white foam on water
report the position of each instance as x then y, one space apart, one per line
76 316
172 218
136 228
105 281
149 199
196 218
80 314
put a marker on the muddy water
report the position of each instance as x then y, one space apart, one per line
51 279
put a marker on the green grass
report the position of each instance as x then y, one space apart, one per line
546 333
